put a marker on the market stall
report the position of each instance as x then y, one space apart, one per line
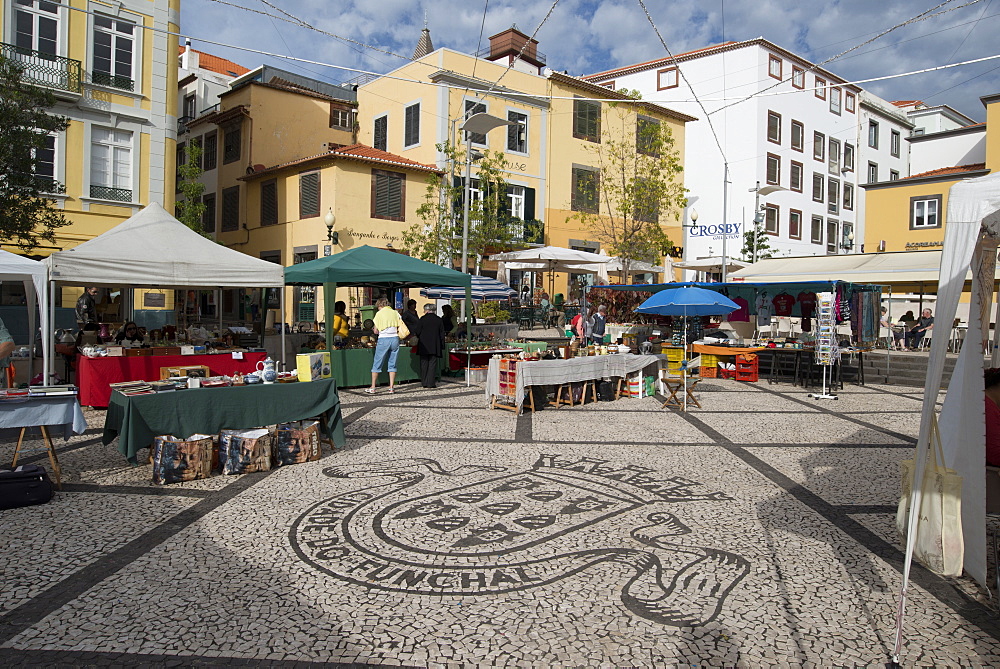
34 276
375 268
153 249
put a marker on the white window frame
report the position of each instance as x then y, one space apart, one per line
771 72
516 201
666 79
835 100
134 129
850 102
798 77
813 237
873 134
527 127
849 149
833 225
872 172
833 156
895 141
137 47
915 202
10 35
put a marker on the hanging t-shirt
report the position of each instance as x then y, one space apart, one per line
783 304
807 307
742 314
765 309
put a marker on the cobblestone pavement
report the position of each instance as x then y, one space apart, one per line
756 531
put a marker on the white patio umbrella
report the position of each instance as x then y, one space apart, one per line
483 288
712 264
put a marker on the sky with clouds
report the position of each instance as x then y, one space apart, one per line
587 36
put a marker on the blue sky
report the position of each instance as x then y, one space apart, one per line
583 36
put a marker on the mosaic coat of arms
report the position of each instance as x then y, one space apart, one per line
418 529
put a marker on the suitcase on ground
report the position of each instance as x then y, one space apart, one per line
245 451
296 442
605 391
24 486
176 460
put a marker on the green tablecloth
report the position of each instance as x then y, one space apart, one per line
136 420
530 346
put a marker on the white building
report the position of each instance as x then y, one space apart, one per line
805 132
927 120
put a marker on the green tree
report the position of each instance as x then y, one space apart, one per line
190 207
27 211
438 237
760 240
636 190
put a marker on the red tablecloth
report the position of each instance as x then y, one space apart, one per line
457 358
93 375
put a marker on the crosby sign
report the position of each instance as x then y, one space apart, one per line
730 230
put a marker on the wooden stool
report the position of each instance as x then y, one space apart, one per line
48 447
675 386
558 401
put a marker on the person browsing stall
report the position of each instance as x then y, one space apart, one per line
448 318
598 325
430 345
86 307
387 322
6 348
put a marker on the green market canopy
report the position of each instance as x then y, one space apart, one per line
369 266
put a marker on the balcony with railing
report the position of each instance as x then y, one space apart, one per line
46 70
112 81
108 193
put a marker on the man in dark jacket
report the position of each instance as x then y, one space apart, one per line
430 345
86 307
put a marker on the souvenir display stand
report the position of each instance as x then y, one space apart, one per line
826 342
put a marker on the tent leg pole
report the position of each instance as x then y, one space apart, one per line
994 354
283 357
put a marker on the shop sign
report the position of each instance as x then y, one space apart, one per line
730 230
917 245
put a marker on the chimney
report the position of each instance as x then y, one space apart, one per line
186 56
506 45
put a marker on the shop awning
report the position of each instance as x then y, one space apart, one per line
369 266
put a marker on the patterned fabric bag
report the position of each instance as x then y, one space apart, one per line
296 442
245 451
176 460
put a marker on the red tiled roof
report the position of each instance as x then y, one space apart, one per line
905 103
941 171
607 73
359 152
216 64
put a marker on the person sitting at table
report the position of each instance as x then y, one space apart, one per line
917 332
341 325
129 333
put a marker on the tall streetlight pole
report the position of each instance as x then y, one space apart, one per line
480 124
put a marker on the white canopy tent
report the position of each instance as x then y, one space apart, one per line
552 259
33 275
152 249
712 264
970 245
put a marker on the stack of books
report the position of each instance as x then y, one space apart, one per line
52 391
162 386
129 388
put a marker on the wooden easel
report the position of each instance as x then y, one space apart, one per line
48 447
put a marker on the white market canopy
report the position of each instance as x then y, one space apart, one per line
892 269
552 259
154 249
34 276
712 264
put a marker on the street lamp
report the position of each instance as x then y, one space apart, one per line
758 214
479 124
331 235
848 242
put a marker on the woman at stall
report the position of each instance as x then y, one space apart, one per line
341 326
387 322
129 333
448 316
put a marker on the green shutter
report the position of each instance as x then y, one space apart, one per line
309 195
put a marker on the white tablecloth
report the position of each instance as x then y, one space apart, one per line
61 410
558 372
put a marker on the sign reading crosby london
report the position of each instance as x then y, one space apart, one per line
731 230
494 532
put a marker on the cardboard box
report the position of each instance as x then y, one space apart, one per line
313 366
190 370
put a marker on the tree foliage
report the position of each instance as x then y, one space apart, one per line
759 239
637 189
190 207
438 237
27 211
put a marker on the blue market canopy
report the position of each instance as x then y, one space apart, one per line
687 301
483 288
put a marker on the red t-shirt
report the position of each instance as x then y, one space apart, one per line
992 433
807 304
783 304
742 314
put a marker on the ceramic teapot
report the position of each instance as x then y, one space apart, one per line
268 370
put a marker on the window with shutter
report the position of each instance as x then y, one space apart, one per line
587 120
209 154
269 202
231 209
381 136
411 125
517 134
586 190
308 194
231 140
208 216
388 195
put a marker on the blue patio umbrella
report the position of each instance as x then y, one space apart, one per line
687 301
483 288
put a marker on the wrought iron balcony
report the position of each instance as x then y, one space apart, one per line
43 69
112 81
182 124
107 193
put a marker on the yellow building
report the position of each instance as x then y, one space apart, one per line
557 122
910 214
112 68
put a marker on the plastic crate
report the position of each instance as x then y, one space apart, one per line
727 373
748 377
709 360
708 372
